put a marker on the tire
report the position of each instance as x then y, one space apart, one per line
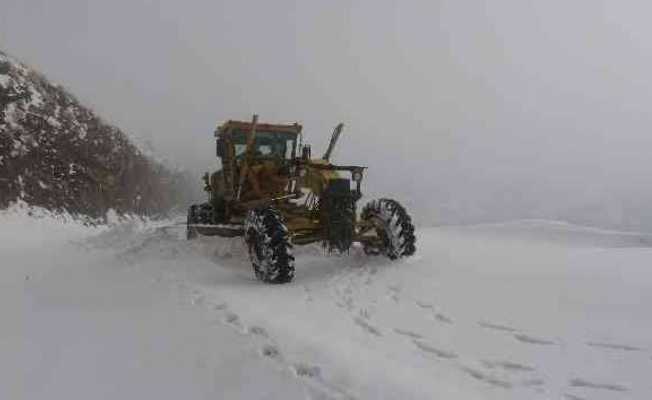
270 250
191 232
394 227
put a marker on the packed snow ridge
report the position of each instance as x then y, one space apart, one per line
531 310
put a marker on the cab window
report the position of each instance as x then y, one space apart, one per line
268 144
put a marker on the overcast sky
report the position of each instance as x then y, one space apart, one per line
467 110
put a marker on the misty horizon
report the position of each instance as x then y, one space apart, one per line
465 111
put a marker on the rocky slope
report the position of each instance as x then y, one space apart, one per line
58 154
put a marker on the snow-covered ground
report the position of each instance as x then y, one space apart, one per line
527 310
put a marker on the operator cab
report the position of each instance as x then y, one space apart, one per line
272 142
258 172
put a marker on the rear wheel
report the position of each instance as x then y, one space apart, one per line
269 245
393 227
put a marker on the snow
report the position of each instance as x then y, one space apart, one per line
36 97
76 324
526 310
10 115
53 122
5 80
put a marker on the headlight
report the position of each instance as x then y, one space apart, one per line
357 176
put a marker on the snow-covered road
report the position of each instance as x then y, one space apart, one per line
527 310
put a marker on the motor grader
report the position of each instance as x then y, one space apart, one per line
272 192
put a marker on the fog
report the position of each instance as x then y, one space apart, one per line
467 111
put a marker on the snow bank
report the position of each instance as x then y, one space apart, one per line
23 226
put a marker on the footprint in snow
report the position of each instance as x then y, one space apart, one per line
348 304
432 350
258 331
508 366
569 396
596 385
407 333
393 293
364 313
442 318
438 316
307 293
497 327
614 346
481 376
425 305
532 340
367 327
533 382
270 351
306 370
233 320
198 299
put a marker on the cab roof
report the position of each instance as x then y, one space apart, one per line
230 126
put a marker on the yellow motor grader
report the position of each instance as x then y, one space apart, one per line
272 192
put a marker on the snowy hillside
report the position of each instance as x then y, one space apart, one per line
530 310
58 154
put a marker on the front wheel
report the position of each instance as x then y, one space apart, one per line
270 250
393 227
